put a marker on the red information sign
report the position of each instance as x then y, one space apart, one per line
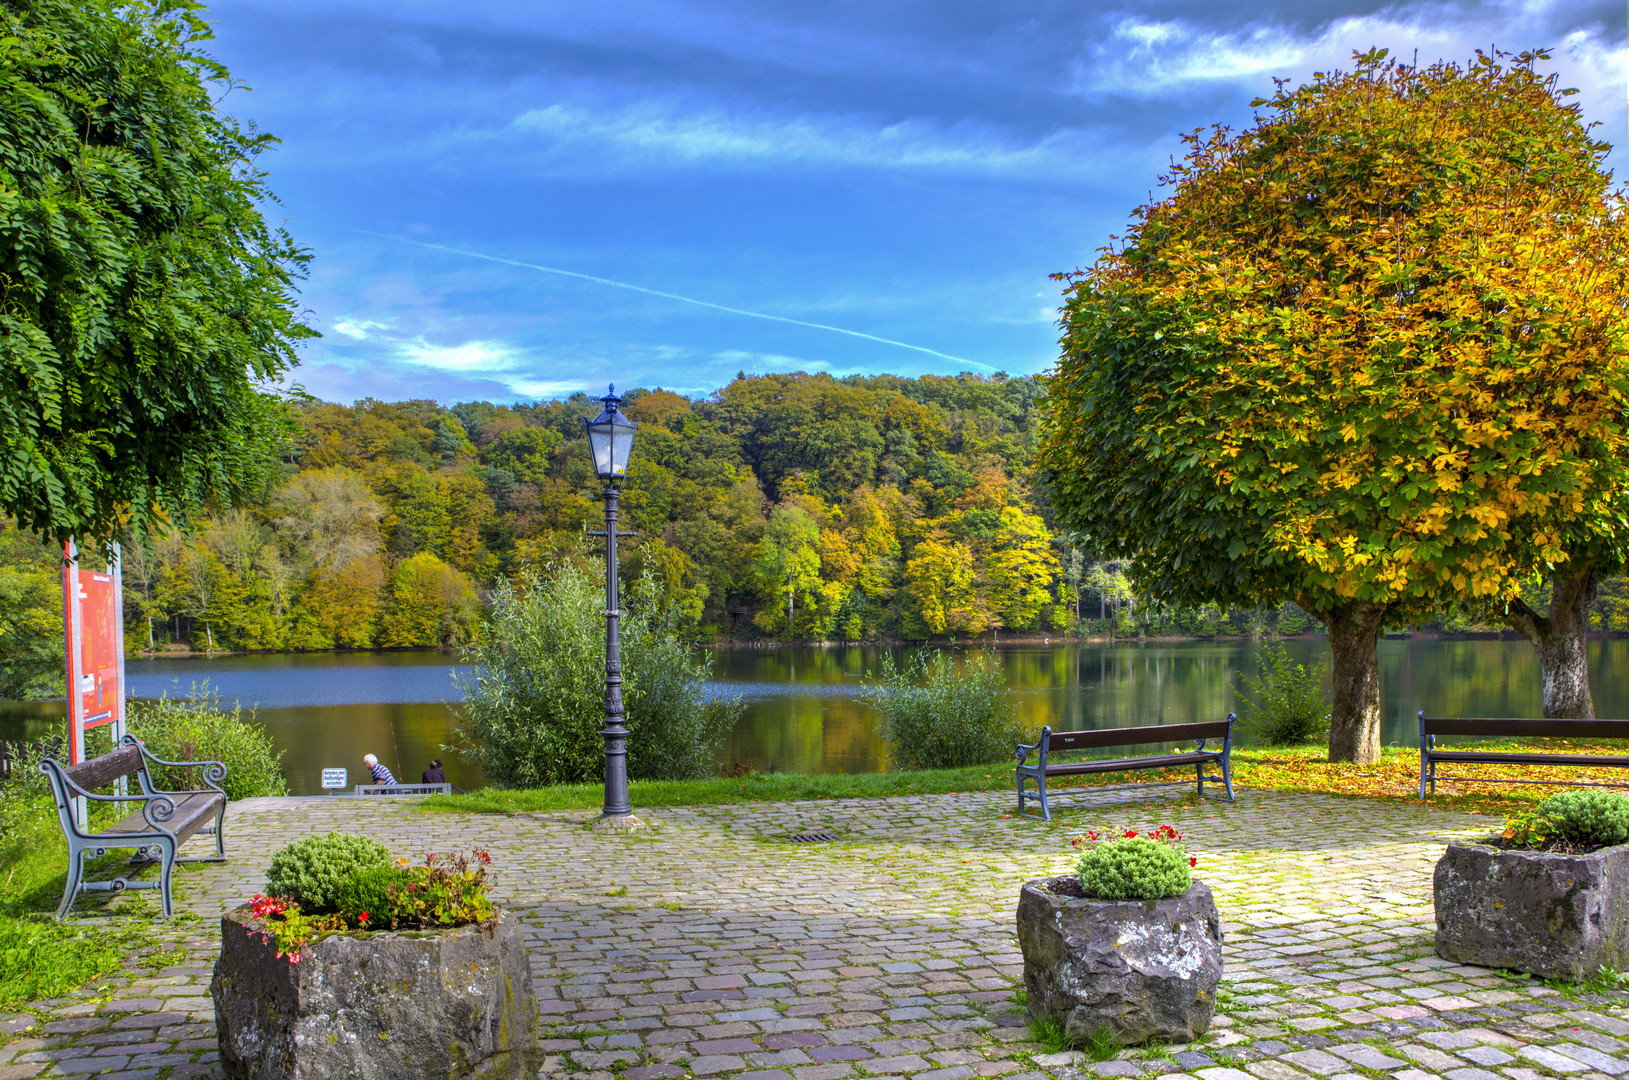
93 619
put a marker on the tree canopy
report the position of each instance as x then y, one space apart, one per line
145 305
1368 355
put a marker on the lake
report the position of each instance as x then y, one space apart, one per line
804 709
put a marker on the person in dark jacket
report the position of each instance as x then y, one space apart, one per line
434 775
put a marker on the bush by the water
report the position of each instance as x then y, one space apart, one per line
1285 703
315 871
1133 867
201 729
532 714
936 716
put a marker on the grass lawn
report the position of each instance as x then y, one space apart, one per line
1395 776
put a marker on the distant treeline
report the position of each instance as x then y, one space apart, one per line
792 507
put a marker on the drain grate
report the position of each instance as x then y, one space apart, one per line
813 837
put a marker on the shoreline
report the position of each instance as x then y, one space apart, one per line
1016 640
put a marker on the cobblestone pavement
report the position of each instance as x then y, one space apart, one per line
712 946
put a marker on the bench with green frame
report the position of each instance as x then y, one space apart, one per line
1514 728
1063 742
164 821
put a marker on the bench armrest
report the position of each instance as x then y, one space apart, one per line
213 771
156 807
1040 747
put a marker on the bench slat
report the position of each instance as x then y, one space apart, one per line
1159 761
191 812
1500 758
101 771
1527 727
1135 736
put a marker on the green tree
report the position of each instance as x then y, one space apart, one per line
146 309
788 565
31 639
430 604
1368 355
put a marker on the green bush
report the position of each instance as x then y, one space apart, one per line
1134 868
199 728
936 717
315 871
1588 817
1285 704
532 714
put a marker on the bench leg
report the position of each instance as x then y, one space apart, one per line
1199 769
76 874
1046 811
168 847
1422 776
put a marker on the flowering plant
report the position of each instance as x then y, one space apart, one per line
1128 865
443 891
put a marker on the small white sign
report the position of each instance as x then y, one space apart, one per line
333 778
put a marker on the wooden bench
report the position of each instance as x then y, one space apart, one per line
165 821
1072 741
1433 726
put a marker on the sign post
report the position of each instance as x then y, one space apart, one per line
93 621
333 779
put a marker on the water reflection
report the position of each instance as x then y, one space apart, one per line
804 710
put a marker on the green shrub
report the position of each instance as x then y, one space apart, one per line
936 717
532 713
1284 704
1589 817
1134 868
199 728
314 871
370 891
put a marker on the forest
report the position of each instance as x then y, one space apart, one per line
780 507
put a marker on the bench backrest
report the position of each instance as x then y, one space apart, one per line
102 771
1519 727
1061 741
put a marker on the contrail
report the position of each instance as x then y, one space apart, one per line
676 296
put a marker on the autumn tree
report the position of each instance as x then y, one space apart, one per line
1367 355
146 308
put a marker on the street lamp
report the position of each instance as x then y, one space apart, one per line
610 440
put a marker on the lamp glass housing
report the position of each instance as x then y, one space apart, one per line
610 439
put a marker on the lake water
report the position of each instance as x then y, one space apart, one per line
804 710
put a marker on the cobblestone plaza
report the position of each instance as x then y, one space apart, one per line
711 945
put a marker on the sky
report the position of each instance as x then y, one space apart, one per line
517 201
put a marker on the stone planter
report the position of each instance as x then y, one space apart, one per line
443 1003
1141 969
1555 916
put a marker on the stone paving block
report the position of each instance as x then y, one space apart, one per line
1606 1063
1367 1056
1316 1061
1551 1060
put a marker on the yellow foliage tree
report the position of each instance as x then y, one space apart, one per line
1369 355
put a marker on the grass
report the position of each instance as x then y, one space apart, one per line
1302 769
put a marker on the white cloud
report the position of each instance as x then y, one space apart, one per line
485 357
1152 59
757 361
660 132
357 328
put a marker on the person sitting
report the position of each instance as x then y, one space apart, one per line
381 775
434 774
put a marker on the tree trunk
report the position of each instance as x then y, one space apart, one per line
1562 644
1354 716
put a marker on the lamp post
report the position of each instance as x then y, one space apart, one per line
610 440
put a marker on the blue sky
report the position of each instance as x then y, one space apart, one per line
851 187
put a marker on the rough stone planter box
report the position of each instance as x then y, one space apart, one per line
442 1003
1556 916
1141 969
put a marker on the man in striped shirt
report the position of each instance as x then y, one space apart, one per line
381 775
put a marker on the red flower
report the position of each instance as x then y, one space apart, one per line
362 917
486 860
1130 833
1192 861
